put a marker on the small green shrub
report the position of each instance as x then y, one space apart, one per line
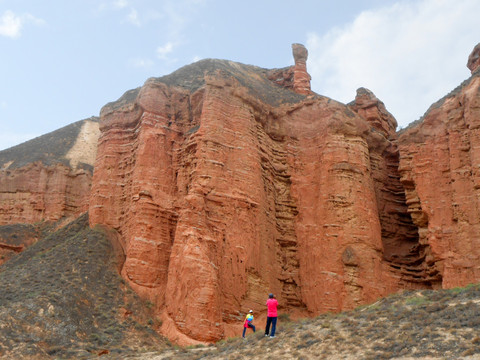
416 301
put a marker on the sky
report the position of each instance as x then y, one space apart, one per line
61 61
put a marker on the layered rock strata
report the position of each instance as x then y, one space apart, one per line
400 239
224 182
48 178
224 186
300 74
439 165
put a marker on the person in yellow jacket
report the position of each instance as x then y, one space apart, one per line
248 322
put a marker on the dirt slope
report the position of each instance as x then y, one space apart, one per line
63 298
427 324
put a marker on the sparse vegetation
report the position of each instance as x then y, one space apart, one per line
441 324
61 298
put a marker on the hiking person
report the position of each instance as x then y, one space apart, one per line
248 322
272 304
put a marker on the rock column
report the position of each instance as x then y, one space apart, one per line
301 83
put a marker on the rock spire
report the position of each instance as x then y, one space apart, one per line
301 77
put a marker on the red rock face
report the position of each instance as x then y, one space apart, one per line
225 182
36 192
222 193
48 178
337 226
401 248
439 164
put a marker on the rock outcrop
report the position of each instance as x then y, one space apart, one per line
439 165
224 182
400 239
225 185
48 178
300 74
474 59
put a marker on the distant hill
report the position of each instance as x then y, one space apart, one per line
49 149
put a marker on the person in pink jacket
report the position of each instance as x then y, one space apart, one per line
272 304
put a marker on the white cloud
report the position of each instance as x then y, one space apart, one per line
11 24
409 54
133 17
196 58
120 4
141 63
163 51
176 16
3 104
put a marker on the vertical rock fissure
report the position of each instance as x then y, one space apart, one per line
414 267
400 222
275 173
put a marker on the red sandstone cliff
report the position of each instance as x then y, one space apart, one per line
439 164
48 178
224 186
402 250
225 182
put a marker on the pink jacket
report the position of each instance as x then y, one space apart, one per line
272 307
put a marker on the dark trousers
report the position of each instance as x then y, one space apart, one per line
271 320
245 329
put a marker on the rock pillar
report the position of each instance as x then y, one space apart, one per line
301 83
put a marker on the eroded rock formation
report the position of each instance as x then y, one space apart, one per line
300 74
224 182
439 165
400 239
225 185
48 178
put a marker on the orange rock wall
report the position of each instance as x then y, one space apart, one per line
220 198
337 227
401 248
189 200
36 192
439 164
225 182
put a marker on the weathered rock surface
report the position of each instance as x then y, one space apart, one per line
400 239
301 76
224 182
439 165
474 59
225 185
48 178
15 238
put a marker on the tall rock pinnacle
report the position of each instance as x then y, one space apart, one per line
301 77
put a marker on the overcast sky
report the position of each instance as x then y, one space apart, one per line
61 61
